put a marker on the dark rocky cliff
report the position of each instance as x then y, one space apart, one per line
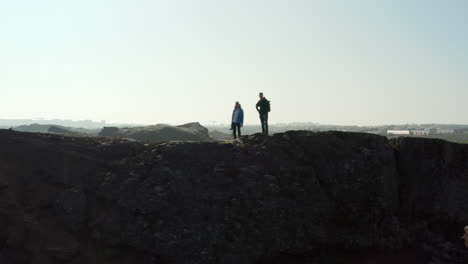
296 197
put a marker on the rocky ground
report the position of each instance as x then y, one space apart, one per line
295 197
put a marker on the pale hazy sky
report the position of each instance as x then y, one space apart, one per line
148 61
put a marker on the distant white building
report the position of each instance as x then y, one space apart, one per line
445 131
398 132
421 132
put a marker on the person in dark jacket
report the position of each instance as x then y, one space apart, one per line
237 120
263 108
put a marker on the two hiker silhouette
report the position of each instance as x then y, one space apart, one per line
263 108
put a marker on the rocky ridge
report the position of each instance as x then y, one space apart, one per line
295 197
160 133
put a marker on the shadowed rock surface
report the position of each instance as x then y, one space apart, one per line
295 197
160 133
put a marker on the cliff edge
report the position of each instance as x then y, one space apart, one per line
295 197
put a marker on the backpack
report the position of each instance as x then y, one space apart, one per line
266 105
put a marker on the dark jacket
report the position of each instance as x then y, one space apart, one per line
263 106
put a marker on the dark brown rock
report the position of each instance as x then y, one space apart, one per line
295 197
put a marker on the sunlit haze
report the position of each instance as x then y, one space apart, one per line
360 62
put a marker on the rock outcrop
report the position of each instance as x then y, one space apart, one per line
295 197
160 133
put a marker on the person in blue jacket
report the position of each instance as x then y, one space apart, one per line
237 120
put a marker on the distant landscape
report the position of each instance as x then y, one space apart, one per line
451 132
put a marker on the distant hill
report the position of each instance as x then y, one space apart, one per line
88 124
160 133
33 128
62 130
52 128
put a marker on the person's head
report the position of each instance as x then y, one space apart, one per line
261 95
237 105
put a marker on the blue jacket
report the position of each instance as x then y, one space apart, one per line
240 117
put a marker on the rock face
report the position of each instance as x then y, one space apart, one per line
295 197
160 133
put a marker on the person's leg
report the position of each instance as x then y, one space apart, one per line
266 123
233 127
239 130
262 122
